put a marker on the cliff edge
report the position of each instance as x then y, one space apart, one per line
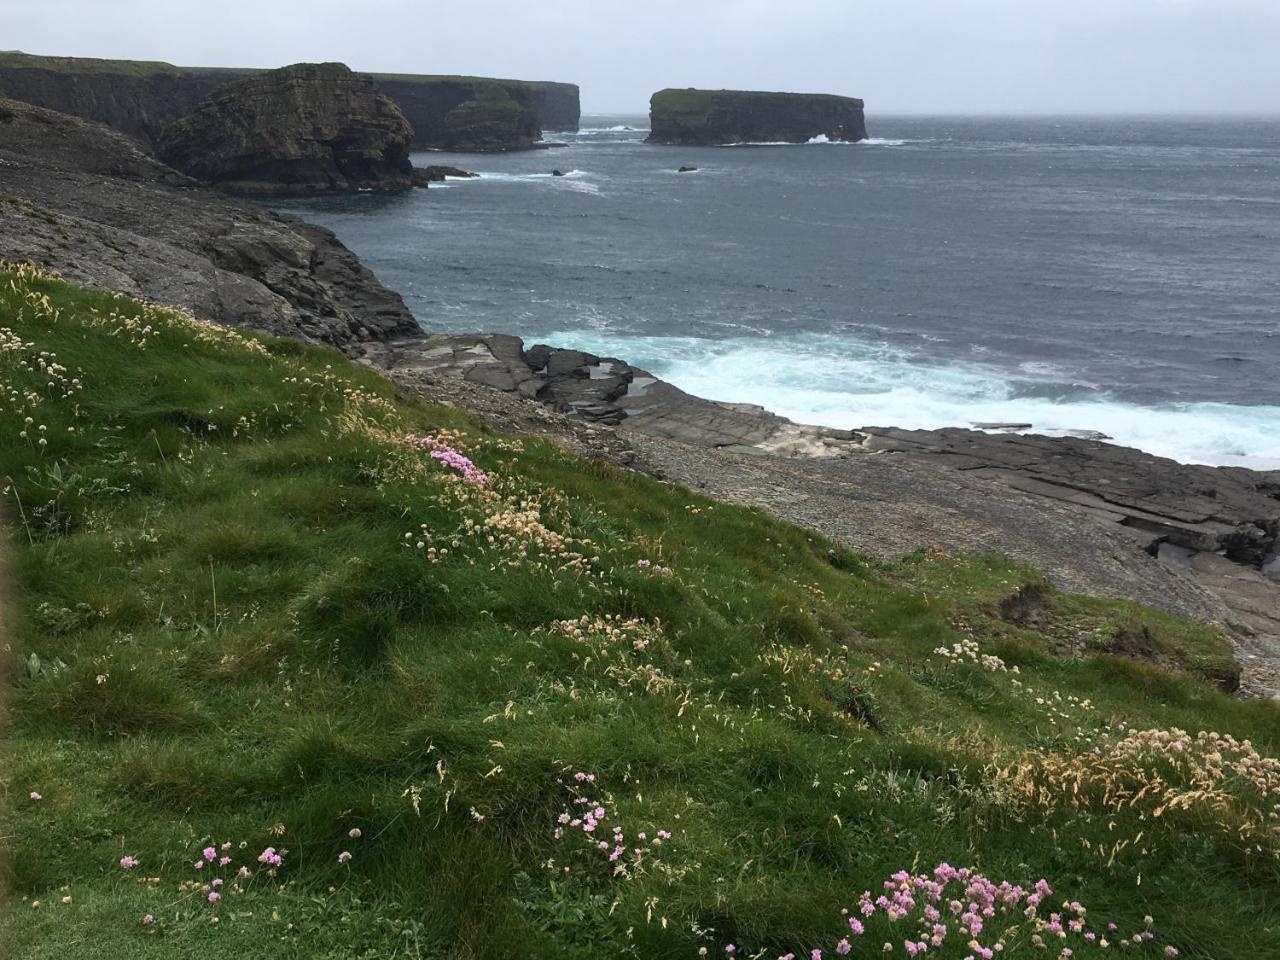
713 117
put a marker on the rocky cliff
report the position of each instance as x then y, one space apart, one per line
561 107
710 117
85 200
139 98
310 127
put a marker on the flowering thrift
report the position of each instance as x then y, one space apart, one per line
590 834
959 912
451 458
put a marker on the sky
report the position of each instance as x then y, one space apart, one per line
901 56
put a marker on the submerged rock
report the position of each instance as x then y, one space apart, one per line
308 127
687 169
712 117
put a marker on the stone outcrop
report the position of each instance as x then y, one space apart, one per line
479 115
712 117
86 201
140 98
310 127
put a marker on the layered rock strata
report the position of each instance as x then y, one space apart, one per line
140 98
310 127
86 201
713 117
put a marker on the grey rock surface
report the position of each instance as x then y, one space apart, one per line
83 199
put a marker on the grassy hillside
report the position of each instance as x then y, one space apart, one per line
430 692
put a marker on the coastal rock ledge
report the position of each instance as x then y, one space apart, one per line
713 117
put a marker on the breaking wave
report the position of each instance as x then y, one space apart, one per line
837 382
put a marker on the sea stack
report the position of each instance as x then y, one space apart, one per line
712 117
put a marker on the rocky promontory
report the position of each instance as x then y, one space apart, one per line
310 127
140 98
87 201
713 117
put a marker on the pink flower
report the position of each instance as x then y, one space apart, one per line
214 896
344 856
815 954
148 920
217 881
36 796
843 947
128 863
199 864
855 926
223 861
209 854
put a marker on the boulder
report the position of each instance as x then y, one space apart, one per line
687 169
712 117
305 128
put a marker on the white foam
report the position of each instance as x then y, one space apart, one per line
836 382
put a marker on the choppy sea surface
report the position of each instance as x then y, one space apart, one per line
1113 275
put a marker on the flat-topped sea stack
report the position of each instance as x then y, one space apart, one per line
311 127
714 117
140 98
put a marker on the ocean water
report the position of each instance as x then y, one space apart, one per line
1112 275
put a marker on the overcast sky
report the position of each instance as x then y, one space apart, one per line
919 56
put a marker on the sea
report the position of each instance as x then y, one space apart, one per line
1110 275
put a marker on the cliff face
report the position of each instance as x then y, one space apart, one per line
308 127
135 97
140 98
561 107
86 201
710 117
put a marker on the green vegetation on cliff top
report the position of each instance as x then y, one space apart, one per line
251 605
151 68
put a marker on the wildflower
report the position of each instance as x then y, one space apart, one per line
128 863
223 861
148 920
214 896
209 854
354 833
199 864
344 856
843 947
66 899
217 881
1170 951
36 796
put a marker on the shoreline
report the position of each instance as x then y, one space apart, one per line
1093 517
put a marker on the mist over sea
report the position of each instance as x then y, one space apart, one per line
1114 275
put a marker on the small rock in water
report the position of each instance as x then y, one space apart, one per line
557 173
981 425
687 169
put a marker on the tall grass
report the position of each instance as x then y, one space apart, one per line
262 613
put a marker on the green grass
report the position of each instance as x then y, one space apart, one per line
234 640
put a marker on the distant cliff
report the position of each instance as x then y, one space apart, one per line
709 117
140 98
